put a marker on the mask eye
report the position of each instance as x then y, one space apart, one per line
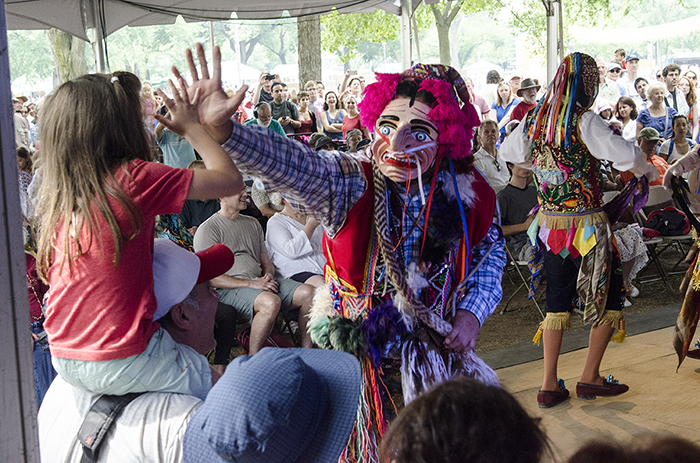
384 130
421 136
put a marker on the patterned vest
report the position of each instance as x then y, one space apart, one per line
568 181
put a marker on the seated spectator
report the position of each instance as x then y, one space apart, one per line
263 116
640 85
502 107
646 449
150 428
486 159
648 140
307 118
464 421
605 110
316 137
249 288
352 118
177 151
332 118
284 111
352 138
678 146
324 143
294 242
528 95
515 201
657 115
626 113
195 211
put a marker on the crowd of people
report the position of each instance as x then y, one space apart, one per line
367 216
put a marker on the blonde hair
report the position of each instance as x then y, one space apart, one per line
90 126
499 100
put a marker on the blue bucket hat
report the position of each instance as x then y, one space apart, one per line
279 405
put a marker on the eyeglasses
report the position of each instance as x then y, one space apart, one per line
497 165
616 71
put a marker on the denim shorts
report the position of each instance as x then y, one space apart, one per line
165 366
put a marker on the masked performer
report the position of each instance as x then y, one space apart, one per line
414 257
687 321
564 142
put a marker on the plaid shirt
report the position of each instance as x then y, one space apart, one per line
327 184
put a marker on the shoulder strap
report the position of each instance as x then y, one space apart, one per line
99 421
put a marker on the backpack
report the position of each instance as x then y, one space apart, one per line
669 222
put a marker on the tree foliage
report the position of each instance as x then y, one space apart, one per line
30 55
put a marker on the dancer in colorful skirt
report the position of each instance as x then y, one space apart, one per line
564 143
415 258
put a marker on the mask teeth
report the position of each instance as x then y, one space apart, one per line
420 182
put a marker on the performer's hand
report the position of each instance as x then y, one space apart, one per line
465 328
676 170
215 108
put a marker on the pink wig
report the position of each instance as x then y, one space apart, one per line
455 125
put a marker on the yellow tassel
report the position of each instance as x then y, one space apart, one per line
611 318
621 334
538 336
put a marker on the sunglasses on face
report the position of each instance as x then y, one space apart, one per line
658 76
497 165
616 71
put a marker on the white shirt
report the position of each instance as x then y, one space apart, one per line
485 163
683 107
597 136
675 155
629 132
291 250
149 429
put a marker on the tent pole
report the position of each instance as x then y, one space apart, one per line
98 39
552 58
406 33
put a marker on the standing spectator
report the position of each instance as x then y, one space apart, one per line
626 113
658 115
262 115
515 80
678 146
149 105
673 97
307 118
486 159
688 88
493 78
315 102
24 167
528 95
332 118
640 85
177 151
34 131
627 81
284 111
263 92
610 90
480 104
352 118
693 76
502 107
352 85
320 89
21 124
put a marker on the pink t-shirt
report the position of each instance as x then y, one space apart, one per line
104 311
350 123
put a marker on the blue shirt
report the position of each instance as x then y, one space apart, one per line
177 151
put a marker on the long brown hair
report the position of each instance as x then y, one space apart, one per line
691 98
90 126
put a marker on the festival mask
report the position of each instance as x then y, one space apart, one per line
406 140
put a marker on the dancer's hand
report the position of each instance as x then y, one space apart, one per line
215 108
183 112
465 329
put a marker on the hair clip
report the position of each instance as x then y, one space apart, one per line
114 79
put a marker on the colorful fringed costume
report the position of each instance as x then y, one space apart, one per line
402 257
563 142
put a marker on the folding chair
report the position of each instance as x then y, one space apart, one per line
525 282
658 196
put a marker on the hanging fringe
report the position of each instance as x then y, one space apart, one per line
610 318
538 336
469 364
621 333
557 321
555 221
370 423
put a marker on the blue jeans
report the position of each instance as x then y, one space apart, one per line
43 370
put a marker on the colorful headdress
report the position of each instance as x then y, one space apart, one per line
576 77
455 126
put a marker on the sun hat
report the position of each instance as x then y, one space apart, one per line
176 271
527 84
649 133
321 141
279 405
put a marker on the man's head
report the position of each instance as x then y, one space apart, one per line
488 133
528 91
493 77
648 140
632 63
186 302
267 83
277 90
235 203
520 172
614 70
671 73
16 105
264 114
515 82
602 67
310 86
640 85
320 89
285 92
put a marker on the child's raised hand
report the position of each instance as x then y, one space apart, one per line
183 111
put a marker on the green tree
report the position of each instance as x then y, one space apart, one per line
30 55
68 55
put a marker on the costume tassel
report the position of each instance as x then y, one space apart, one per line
370 424
422 366
621 333
538 336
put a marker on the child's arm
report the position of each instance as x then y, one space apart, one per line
221 178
